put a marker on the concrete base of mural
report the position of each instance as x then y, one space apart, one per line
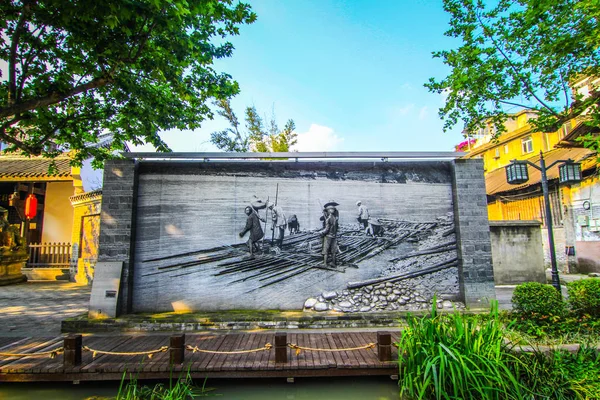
11 266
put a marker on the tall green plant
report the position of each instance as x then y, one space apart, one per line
457 357
561 375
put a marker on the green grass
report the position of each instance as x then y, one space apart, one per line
181 389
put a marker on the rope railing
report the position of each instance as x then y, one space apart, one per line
300 348
72 349
196 349
148 353
49 353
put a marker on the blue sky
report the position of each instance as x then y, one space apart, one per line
349 73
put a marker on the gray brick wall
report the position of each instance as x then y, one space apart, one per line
117 224
476 274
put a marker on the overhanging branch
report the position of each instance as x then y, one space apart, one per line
52 98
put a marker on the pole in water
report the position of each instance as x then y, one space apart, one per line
272 222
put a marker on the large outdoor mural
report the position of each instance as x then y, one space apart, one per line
352 237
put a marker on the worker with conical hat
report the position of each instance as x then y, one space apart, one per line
329 232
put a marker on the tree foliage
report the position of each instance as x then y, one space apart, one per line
520 54
258 136
78 69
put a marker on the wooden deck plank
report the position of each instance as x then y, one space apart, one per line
362 356
6 342
262 360
28 364
347 362
128 364
256 364
15 364
314 356
324 343
229 362
227 345
246 361
159 359
337 356
109 344
207 343
140 363
95 342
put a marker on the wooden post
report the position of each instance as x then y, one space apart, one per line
177 350
72 351
280 347
384 346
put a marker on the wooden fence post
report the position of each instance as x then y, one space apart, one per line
177 349
280 347
384 346
72 351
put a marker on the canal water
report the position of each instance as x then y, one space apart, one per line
361 388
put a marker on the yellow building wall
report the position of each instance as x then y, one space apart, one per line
497 155
85 234
58 212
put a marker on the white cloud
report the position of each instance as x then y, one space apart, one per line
318 138
402 111
422 113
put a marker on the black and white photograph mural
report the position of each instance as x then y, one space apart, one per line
350 237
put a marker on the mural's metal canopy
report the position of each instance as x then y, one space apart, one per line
286 156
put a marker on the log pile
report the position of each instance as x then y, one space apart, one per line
299 254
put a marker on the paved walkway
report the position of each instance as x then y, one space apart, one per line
36 308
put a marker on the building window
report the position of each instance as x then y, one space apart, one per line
527 145
497 153
505 149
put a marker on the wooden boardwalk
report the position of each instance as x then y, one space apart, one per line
215 363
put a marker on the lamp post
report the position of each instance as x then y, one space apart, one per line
569 172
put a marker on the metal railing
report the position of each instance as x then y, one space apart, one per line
49 255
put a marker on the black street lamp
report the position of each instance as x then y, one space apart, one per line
569 172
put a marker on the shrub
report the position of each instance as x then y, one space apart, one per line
537 300
457 357
562 375
584 297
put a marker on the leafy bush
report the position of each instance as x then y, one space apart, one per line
537 301
562 375
584 297
457 357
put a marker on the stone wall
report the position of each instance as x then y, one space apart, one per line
476 274
517 252
117 232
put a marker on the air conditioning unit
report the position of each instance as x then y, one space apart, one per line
583 220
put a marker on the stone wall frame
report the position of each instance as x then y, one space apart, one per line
476 276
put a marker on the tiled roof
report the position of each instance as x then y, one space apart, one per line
495 181
34 167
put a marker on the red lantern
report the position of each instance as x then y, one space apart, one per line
30 207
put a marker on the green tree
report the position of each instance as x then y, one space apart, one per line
257 137
78 69
520 54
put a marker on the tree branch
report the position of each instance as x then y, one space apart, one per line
12 59
53 98
512 104
513 67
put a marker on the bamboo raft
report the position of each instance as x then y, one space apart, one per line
299 254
